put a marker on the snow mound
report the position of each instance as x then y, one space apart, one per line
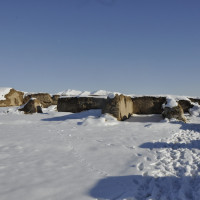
4 91
103 120
100 93
96 94
195 111
111 95
10 110
84 94
171 102
77 93
52 108
70 92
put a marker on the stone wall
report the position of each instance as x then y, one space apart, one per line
45 99
148 105
17 98
120 107
75 104
13 98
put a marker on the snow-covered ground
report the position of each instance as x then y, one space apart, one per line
83 156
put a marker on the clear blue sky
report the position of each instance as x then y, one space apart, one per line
130 46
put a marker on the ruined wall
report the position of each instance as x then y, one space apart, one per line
13 98
120 107
75 104
44 98
148 105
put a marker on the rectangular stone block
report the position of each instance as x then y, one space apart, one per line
78 104
120 107
148 105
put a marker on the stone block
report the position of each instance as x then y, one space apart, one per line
148 105
78 104
120 107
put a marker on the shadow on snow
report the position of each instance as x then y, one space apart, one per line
188 126
194 144
80 115
146 187
145 118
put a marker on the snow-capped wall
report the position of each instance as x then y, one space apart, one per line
3 92
10 97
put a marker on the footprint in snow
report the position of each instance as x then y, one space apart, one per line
140 166
145 174
99 140
148 159
148 125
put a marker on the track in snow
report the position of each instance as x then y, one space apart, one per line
173 175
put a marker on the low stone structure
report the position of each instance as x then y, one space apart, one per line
32 106
174 112
148 105
44 98
13 98
78 104
120 107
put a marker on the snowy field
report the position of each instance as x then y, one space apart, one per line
66 156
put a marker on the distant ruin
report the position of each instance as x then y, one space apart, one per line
120 106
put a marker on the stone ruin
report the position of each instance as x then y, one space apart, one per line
119 106
122 107
78 104
45 99
32 106
13 98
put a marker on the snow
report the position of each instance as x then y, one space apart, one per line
70 92
94 94
4 91
100 93
84 94
195 110
87 156
111 95
171 102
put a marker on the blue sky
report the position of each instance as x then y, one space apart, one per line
130 46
